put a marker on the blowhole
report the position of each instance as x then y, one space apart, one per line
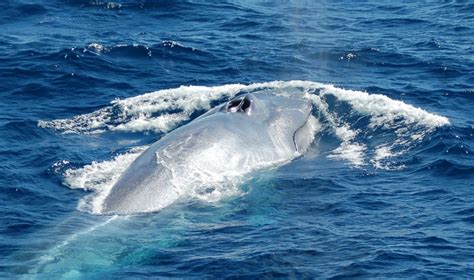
242 105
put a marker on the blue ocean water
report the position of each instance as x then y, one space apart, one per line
385 191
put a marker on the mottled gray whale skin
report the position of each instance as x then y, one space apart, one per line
250 132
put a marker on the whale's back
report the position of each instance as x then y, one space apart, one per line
210 150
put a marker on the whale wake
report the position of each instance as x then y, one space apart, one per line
361 129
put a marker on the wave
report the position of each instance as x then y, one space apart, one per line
161 6
367 129
446 167
166 48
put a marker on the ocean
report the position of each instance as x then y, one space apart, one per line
385 190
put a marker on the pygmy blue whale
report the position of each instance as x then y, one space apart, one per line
248 133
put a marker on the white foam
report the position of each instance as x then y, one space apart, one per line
172 44
95 48
164 122
99 177
107 5
349 149
352 152
384 110
136 114
409 123
382 153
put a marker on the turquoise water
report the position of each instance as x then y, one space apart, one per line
385 191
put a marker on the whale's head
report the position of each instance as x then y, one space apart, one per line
286 117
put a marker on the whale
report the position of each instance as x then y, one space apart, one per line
250 132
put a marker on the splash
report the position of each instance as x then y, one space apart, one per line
399 126
147 112
99 177
372 129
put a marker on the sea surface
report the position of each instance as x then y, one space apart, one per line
386 190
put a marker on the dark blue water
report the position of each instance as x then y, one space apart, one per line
386 189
